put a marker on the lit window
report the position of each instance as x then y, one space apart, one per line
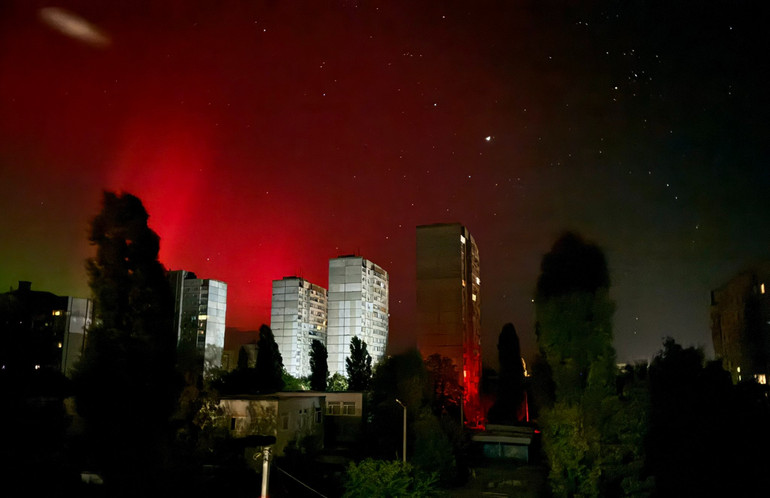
203 317
474 297
462 239
761 378
739 369
478 281
463 282
59 345
762 288
58 312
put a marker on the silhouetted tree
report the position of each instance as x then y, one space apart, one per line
434 442
243 358
269 367
574 318
241 380
510 392
319 368
358 365
447 392
703 429
586 431
126 382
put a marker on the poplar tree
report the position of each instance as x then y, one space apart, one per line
319 368
358 365
269 367
510 392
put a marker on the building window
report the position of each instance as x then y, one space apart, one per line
333 408
761 378
348 408
285 422
762 288
317 414
462 239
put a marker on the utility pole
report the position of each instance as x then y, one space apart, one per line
265 469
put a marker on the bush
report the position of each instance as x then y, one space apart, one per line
388 478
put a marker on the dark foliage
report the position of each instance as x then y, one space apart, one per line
572 266
508 407
319 367
401 377
447 392
704 431
126 382
269 367
358 365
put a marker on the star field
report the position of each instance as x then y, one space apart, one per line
265 138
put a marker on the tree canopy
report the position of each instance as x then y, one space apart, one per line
269 367
447 392
319 368
574 317
591 435
126 382
358 365
510 391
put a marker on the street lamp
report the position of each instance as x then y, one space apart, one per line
404 447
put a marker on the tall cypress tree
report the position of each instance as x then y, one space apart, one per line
510 392
269 368
358 365
319 367
127 385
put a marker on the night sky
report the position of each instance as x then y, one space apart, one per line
266 137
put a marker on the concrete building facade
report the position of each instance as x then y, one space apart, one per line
289 416
297 317
40 329
200 309
77 318
358 306
449 305
740 324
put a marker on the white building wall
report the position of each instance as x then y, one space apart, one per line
201 311
297 317
358 306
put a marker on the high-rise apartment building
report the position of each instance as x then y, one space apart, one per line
449 305
200 307
358 306
76 317
297 317
39 329
740 324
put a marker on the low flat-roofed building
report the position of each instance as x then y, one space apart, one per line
289 416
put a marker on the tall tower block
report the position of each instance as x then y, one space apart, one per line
297 317
449 305
358 306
